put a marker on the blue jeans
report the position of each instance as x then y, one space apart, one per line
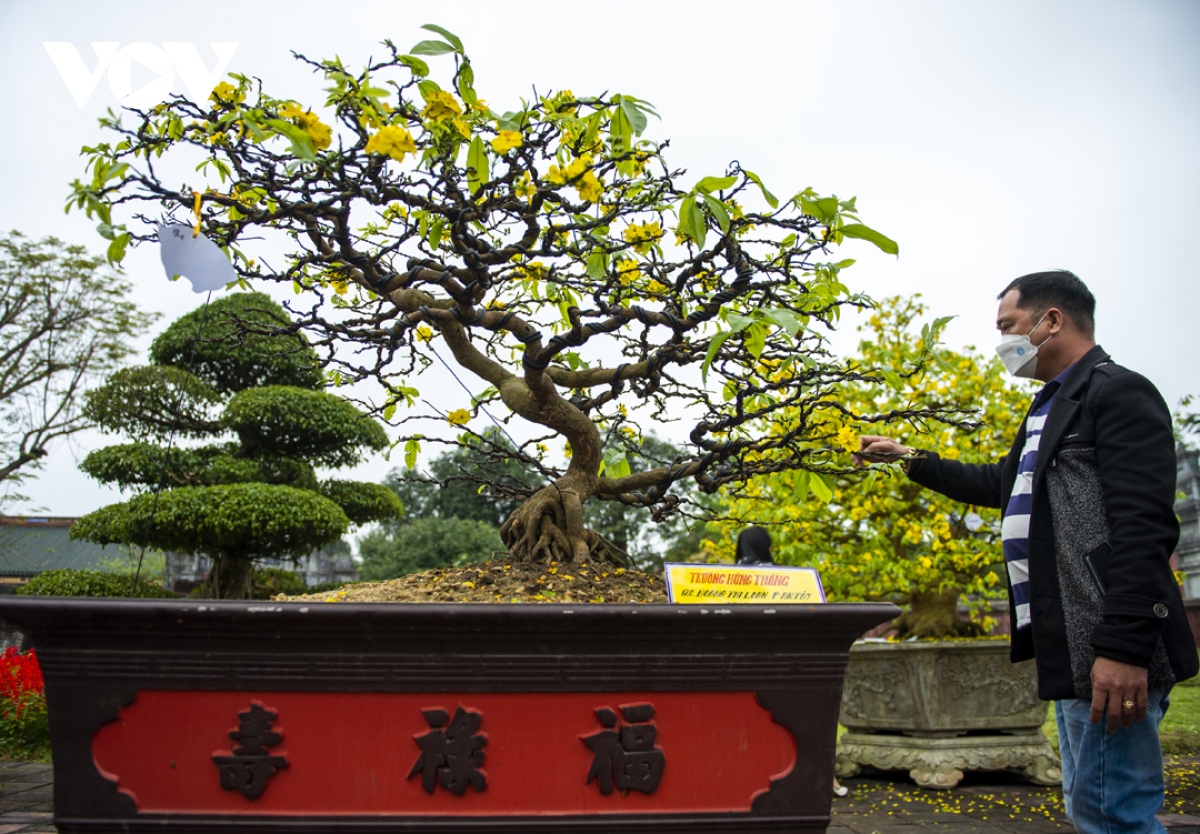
1112 783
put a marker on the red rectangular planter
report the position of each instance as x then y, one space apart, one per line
251 717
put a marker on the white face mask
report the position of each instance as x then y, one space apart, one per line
1019 353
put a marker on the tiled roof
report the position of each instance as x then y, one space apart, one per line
31 545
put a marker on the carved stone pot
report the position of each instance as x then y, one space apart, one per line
937 709
292 717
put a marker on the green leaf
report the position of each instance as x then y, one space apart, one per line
709 184
718 210
713 347
693 222
800 493
445 33
858 230
302 147
466 84
597 265
771 199
824 209
820 487
432 48
116 249
419 68
786 319
738 322
756 339
629 107
477 165
621 130
615 462
389 410
411 449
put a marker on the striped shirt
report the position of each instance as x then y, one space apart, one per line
1015 529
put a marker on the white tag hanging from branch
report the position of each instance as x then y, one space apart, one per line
188 253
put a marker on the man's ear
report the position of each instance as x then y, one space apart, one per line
1056 319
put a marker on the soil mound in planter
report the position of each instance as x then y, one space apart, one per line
504 581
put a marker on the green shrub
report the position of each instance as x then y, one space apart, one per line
69 582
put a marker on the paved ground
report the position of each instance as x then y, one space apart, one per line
885 803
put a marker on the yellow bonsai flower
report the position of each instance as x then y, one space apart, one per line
226 93
458 417
308 121
847 438
643 235
525 187
506 141
441 106
392 141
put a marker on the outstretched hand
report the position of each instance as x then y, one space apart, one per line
873 448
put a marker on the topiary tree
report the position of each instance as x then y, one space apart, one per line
888 538
549 250
236 501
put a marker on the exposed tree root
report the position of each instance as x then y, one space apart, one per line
549 528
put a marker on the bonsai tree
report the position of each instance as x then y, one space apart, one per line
886 538
549 251
235 500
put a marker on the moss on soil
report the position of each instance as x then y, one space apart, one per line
506 582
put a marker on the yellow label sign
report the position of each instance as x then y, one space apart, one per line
689 584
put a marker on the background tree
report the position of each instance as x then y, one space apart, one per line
885 537
253 497
65 321
549 250
426 543
467 483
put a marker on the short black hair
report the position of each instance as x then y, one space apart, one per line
1039 291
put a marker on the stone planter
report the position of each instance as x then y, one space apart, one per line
936 709
238 717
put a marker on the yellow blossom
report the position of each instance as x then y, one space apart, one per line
628 272
441 106
424 333
525 187
459 417
656 286
643 235
308 121
463 129
506 140
226 93
392 141
590 187
847 438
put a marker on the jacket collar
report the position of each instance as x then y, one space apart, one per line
1065 405
1082 370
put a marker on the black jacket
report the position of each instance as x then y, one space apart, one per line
1101 531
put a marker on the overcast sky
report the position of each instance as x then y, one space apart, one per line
988 137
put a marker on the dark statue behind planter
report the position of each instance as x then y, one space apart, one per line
240 717
938 708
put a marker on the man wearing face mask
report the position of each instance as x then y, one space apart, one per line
1087 495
